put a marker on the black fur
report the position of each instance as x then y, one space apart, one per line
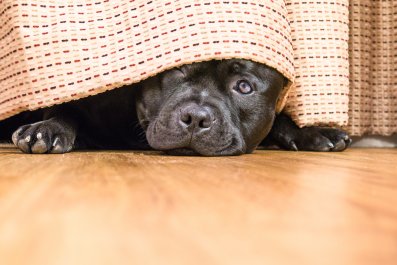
194 109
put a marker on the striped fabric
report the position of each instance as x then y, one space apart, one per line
373 67
55 51
320 35
61 50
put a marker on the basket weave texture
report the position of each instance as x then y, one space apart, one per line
320 34
56 51
373 67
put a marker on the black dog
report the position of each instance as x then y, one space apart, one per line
210 108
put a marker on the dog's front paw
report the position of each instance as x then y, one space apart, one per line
317 139
49 136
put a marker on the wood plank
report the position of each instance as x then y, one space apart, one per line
271 207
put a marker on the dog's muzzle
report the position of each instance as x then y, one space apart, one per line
193 128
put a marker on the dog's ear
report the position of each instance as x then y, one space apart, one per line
284 84
142 113
148 100
275 83
282 95
273 77
285 81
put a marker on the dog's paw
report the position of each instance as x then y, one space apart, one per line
43 137
317 139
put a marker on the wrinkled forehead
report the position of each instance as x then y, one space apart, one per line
233 65
219 68
200 69
239 66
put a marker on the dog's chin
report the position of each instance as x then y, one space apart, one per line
192 152
181 152
163 139
177 148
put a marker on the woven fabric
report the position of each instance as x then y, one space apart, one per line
373 67
320 35
55 51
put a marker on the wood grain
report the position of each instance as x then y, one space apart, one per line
271 207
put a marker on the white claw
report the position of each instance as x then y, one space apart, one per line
27 139
39 136
57 149
55 142
15 136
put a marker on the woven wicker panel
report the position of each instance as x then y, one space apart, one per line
55 51
373 67
319 32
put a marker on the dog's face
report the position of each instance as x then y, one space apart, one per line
210 108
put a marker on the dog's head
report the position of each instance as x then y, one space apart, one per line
210 108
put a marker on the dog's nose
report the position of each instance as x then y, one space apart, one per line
196 117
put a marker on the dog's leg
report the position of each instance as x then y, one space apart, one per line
55 134
286 134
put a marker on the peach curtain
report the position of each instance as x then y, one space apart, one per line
320 33
341 55
373 67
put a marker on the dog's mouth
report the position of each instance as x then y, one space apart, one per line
195 130
174 141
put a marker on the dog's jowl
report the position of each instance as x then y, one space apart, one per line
209 108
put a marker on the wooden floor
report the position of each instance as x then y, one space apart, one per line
272 207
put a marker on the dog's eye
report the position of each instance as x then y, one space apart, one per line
243 87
